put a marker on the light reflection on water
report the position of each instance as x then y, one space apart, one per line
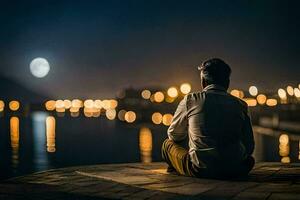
51 142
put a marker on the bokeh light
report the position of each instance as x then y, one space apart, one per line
130 116
271 102
261 99
253 91
159 96
121 115
111 114
281 93
237 93
67 104
146 94
89 103
2 105
50 105
14 105
172 92
290 90
167 119
185 88
250 101
157 118
145 144
297 92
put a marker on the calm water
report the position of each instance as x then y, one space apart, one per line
39 142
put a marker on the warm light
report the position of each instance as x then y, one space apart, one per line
185 88
250 101
253 90
169 99
237 93
76 103
14 105
167 119
14 132
172 92
113 103
284 139
50 105
89 103
281 93
146 94
261 99
159 96
67 104
60 106
157 118
130 116
2 105
297 92
121 115
145 143
290 90
271 102
50 133
106 104
285 160
111 114
74 109
88 112
98 104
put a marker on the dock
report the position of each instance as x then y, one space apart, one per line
271 181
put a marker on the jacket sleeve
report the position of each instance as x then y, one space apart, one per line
177 131
247 133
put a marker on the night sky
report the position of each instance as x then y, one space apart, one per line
96 48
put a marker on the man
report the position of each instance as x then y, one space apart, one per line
217 126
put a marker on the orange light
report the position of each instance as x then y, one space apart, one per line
130 116
290 90
172 92
2 105
250 101
145 143
271 102
185 88
156 118
261 99
14 105
50 134
167 119
50 105
67 104
237 93
146 94
89 103
159 96
110 114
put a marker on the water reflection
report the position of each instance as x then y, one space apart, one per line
14 140
145 143
50 133
39 138
284 148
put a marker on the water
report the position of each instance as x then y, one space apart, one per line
40 142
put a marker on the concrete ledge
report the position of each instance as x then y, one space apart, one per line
150 181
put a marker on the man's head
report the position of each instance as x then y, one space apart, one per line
215 71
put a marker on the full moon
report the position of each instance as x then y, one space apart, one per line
39 67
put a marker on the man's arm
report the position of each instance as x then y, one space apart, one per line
247 135
178 128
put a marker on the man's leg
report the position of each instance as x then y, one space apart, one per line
177 157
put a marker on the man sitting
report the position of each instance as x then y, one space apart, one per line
217 126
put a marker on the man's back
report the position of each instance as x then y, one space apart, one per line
219 127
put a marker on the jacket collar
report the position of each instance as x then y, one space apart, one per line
214 87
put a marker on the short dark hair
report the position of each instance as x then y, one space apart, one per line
216 71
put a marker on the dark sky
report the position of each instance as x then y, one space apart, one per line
96 48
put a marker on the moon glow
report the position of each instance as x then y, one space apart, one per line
39 67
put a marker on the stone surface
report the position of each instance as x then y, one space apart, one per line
151 181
